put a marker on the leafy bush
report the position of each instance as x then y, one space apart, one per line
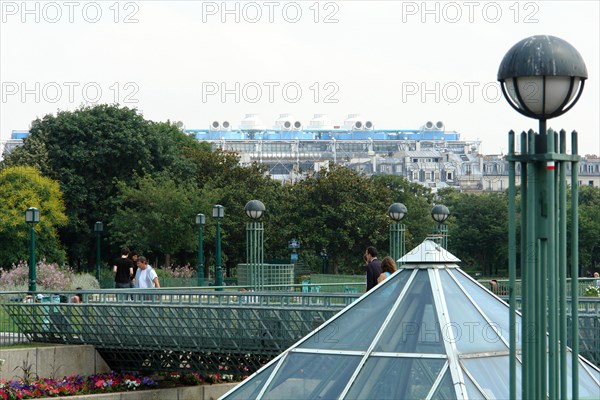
592 291
182 272
50 276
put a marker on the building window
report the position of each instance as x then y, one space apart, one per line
591 183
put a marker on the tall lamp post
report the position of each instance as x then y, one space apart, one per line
218 212
200 221
98 228
32 217
397 211
542 77
255 243
324 257
440 214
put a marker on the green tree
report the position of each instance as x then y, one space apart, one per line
155 215
88 151
417 199
478 229
589 227
340 210
21 188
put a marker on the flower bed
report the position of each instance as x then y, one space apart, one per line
99 383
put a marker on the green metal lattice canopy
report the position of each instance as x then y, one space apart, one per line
427 332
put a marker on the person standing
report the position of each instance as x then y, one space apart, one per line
388 267
373 267
145 276
123 269
133 256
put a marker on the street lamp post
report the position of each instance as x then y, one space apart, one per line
255 244
218 212
324 257
200 221
542 77
440 214
397 211
98 228
32 217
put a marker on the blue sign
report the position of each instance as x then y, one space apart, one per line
293 244
294 257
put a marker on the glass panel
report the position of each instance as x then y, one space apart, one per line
446 389
252 386
312 376
588 388
414 328
472 391
355 329
492 375
395 378
495 310
467 328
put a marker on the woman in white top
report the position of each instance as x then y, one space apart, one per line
146 276
388 267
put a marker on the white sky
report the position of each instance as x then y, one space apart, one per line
398 63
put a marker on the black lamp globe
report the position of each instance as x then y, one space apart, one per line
397 211
542 76
254 209
440 213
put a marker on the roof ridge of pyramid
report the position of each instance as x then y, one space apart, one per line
428 252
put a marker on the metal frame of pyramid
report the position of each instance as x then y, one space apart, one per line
429 331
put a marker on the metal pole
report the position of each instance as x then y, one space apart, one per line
32 264
529 293
98 256
562 272
552 272
574 268
200 257
512 267
218 272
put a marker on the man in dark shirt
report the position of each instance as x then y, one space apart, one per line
373 267
123 269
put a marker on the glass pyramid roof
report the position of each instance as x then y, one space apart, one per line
429 331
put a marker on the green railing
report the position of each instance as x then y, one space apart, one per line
502 287
207 330
173 329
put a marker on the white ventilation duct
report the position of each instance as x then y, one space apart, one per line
226 125
320 122
369 126
439 126
297 125
354 122
215 126
428 126
252 122
284 122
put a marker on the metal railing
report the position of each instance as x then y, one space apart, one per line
207 330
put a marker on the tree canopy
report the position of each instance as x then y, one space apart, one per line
21 188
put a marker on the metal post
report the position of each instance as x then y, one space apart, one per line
574 267
218 271
543 262
512 268
98 256
255 254
200 257
32 264
397 240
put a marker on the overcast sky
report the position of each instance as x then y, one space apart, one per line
398 63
